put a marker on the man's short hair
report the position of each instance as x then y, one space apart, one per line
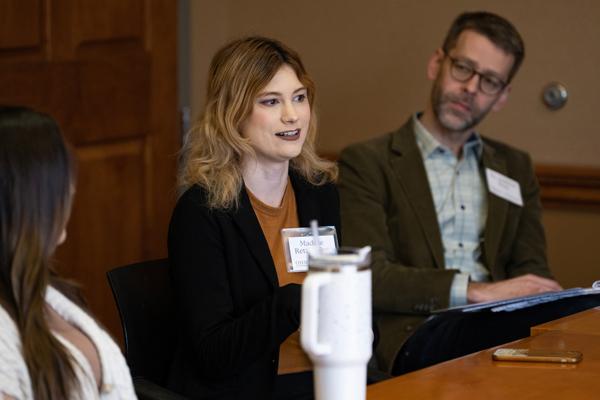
497 29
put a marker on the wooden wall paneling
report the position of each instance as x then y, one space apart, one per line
111 19
572 234
75 22
106 71
64 23
61 90
571 200
165 138
22 31
107 223
115 91
569 186
20 24
21 83
126 91
48 87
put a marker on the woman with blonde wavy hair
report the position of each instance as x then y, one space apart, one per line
50 347
249 169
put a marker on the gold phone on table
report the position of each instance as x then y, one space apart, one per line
537 355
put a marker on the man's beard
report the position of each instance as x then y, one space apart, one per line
462 121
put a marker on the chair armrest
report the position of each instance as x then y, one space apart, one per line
147 390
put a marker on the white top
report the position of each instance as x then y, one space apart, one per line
14 376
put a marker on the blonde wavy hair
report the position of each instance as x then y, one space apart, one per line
214 147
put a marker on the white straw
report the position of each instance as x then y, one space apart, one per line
314 226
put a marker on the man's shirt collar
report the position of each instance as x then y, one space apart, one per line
428 145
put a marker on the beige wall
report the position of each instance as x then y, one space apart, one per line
368 59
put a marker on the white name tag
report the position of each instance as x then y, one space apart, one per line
504 187
299 247
298 241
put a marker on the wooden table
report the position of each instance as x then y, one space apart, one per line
587 322
477 376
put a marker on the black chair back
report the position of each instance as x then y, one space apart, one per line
143 295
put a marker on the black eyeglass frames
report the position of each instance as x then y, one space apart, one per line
462 71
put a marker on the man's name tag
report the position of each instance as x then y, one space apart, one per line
504 187
298 241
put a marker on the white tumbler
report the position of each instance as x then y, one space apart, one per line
336 330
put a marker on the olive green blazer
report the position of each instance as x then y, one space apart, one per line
386 202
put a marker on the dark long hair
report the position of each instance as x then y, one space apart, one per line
36 181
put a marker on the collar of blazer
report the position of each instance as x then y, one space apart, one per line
247 222
407 163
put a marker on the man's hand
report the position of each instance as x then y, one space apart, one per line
515 287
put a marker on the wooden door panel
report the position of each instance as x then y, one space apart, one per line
165 138
107 222
51 88
115 92
103 96
110 19
20 24
106 71
76 22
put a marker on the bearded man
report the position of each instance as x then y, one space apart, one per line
453 217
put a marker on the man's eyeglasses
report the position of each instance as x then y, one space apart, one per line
463 71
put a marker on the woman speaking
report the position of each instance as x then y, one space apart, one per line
248 170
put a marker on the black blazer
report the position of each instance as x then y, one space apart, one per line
232 313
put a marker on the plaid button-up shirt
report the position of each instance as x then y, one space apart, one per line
459 196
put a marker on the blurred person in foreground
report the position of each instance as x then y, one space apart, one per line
50 346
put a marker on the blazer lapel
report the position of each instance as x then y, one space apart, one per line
245 218
407 163
497 209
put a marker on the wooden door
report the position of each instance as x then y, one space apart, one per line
106 71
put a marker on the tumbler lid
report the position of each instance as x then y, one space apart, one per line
347 258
